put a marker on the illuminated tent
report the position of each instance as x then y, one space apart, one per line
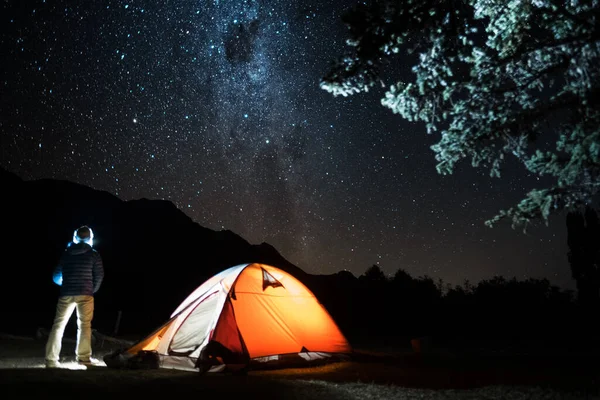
248 315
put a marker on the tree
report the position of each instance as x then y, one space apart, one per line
584 254
373 274
402 278
493 78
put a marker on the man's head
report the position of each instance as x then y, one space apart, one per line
83 234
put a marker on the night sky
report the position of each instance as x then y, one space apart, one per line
216 106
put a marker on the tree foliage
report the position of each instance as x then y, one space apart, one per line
494 78
378 308
373 274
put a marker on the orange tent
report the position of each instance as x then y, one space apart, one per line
250 314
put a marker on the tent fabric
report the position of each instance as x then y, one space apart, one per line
193 330
228 335
249 314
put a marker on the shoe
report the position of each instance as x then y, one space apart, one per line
52 364
89 363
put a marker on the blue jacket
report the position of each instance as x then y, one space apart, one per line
79 271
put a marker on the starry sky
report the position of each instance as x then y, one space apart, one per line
215 105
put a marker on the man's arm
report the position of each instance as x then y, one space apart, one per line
98 272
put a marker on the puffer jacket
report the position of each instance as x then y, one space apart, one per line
79 271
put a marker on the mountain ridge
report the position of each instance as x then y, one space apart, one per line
154 254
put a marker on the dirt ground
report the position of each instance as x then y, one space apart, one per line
368 374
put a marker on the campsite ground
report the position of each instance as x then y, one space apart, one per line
389 374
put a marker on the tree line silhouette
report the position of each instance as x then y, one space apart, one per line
392 309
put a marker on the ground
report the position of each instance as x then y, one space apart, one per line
367 375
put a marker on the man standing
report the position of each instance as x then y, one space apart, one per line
79 275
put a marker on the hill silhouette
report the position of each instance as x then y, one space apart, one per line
154 255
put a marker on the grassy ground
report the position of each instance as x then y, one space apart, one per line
368 375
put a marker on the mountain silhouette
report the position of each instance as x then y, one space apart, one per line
154 255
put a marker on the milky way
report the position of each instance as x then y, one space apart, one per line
216 106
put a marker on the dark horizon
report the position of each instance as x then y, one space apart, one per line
155 255
355 274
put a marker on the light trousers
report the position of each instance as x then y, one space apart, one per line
64 309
